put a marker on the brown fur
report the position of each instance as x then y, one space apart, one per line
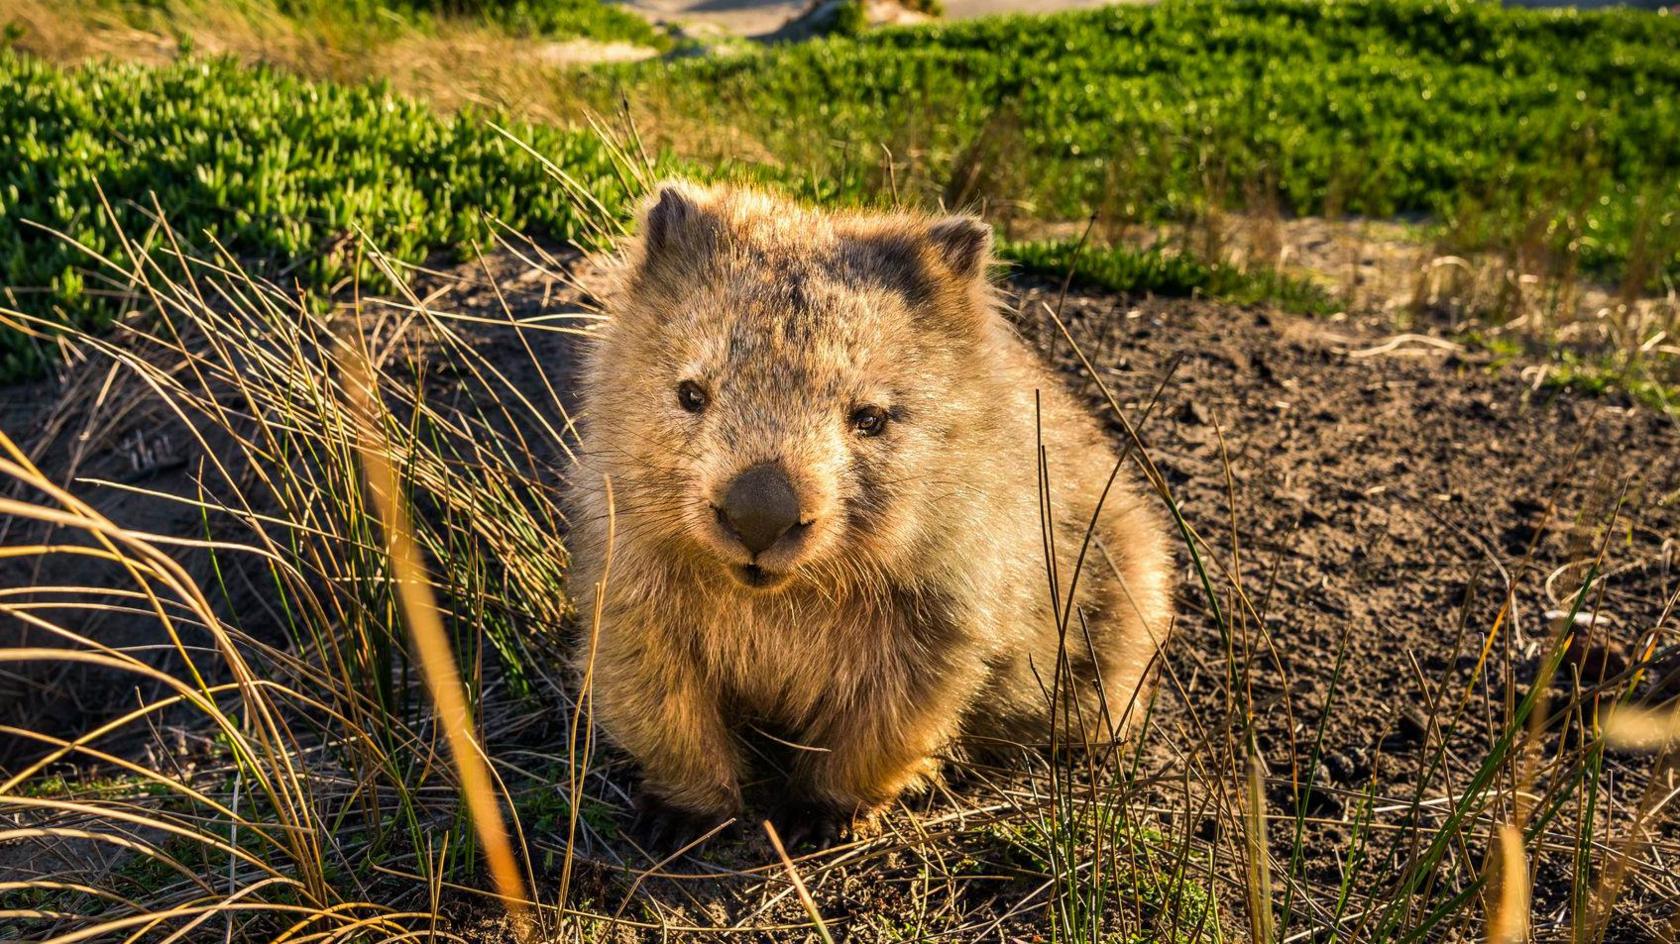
917 608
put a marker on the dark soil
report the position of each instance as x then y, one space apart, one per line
1381 513
1385 509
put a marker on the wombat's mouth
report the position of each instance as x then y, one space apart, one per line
757 577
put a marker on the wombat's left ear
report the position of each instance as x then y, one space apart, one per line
964 244
672 217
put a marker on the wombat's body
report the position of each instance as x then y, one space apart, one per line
822 441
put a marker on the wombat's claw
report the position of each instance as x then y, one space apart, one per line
659 827
807 823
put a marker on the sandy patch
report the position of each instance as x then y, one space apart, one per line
758 17
579 52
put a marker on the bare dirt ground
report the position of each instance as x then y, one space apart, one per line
1392 497
1388 497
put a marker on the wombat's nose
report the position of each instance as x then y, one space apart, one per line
760 506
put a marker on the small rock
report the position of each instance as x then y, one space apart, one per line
1410 729
1583 619
1194 414
1348 766
1593 658
1323 801
1664 680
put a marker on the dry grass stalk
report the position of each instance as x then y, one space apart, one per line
1631 727
805 899
1508 919
432 643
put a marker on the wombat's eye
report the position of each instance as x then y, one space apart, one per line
692 397
869 420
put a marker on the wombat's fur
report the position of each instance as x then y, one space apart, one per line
862 361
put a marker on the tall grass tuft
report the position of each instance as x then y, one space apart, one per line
316 805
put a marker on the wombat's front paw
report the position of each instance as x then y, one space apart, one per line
820 824
660 827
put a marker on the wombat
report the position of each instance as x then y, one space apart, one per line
826 450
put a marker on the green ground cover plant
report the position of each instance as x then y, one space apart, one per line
275 169
1158 271
1557 131
589 19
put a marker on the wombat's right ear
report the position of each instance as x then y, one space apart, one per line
964 244
675 222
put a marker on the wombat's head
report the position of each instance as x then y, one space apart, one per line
782 394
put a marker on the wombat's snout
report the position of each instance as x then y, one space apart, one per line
760 506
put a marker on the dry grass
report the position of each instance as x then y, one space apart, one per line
323 762
466 65
433 648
